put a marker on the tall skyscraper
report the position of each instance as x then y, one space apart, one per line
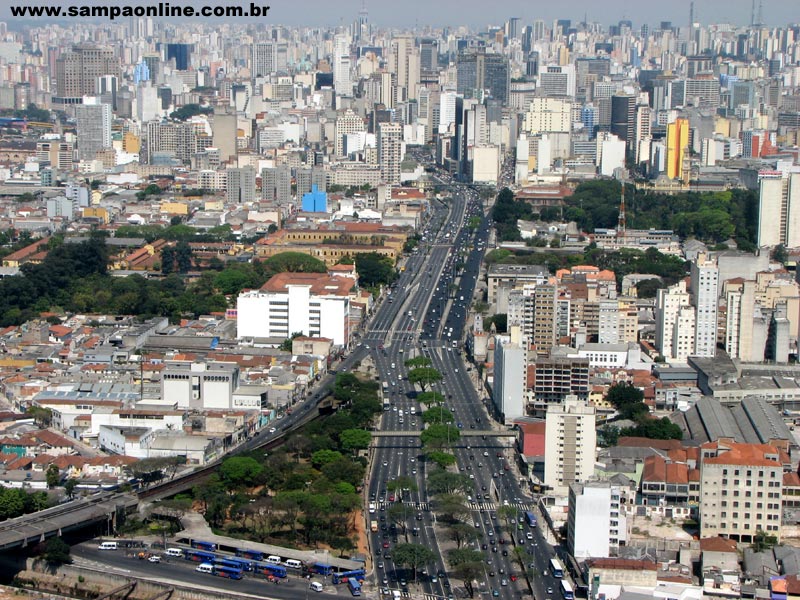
264 59
346 123
390 151
78 71
705 296
677 144
669 303
276 184
342 79
623 119
779 209
478 72
404 62
93 128
181 54
510 375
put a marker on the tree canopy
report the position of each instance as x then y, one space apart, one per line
374 269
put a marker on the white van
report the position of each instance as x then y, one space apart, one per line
174 552
372 507
316 586
205 568
274 560
293 563
107 546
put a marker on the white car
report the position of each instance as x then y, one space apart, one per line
272 430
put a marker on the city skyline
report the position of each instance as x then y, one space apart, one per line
471 13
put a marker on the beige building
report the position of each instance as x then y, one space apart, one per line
740 490
570 444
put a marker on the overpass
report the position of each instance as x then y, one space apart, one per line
468 433
37 527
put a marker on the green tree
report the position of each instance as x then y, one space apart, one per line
374 269
463 533
763 541
52 476
437 414
451 507
447 482
286 345
57 552
442 459
412 556
355 439
399 513
654 429
418 361
627 399
779 254
183 257
469 572
459 556
440 436
424 377
168 260
240 471
69 487
187 111
320 458
293 262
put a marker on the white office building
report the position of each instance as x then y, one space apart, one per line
595 524
314 304
669 303
510 373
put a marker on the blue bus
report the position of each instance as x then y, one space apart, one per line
268 570
199 556
251 554
321 569
566 590
234 563
348 576
530 518
556 568
354 586
201 545
228 572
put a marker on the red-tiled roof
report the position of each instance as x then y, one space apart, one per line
717 544
628 564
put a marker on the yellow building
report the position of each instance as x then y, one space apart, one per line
96 212
131 143
174 208
677 142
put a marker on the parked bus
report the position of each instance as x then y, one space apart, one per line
251 554
269 570
321 569
556 568
354 586
566 590
201 545
348 576
234 563
228 572
530 518
199 556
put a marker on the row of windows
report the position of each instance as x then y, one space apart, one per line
737 472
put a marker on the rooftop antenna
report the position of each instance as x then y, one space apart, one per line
691 15
621 221
753 13
760 15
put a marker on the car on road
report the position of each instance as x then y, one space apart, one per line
154 558
549 590
495 593
272 430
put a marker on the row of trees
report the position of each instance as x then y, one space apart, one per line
305 492
628 400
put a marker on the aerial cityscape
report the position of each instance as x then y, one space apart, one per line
505 308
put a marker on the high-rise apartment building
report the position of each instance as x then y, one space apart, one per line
548 115
342 66
93 128
705 298
669 303
779 209
741 490
346 123
404 62
477 71
570 444
241 188
390 151
545 300
78 71
276 184
677 146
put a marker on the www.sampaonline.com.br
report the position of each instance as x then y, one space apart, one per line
159 9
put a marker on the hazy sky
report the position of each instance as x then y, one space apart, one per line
477 13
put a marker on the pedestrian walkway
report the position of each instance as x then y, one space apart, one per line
493 505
